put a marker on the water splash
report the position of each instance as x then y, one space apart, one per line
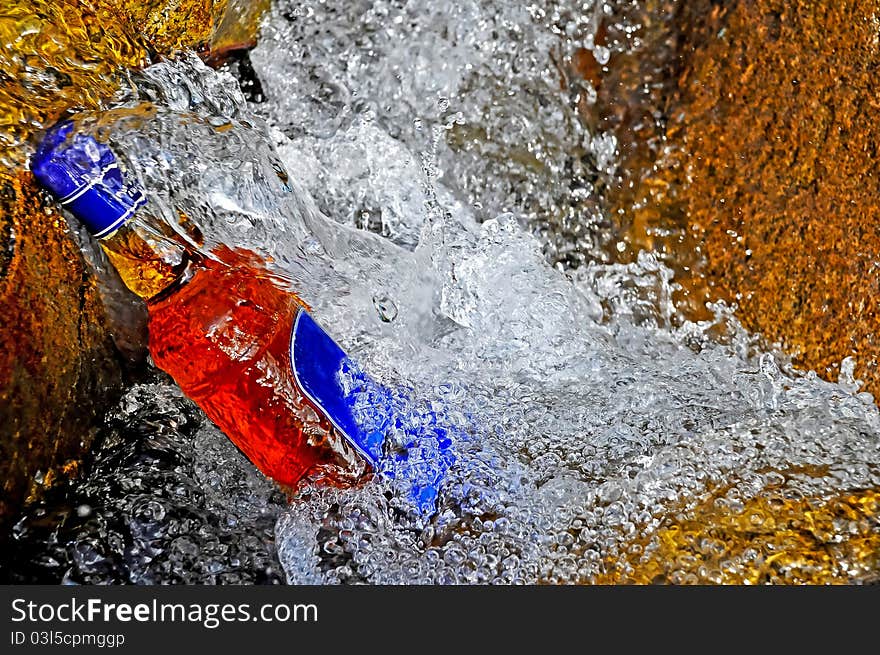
487 71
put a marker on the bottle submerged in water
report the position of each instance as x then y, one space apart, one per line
232 334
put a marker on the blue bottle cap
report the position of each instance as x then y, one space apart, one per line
84 176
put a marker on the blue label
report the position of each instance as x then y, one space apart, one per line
332 380
363 412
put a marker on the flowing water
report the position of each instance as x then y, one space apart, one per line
407 166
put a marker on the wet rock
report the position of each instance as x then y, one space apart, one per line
630 95
59 364
238 29
211 27
70 54
777 537
168 499
57 55
761 186
780 104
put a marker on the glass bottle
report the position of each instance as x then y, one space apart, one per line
227 329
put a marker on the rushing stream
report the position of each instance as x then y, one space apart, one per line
409 166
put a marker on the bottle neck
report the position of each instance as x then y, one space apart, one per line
149 263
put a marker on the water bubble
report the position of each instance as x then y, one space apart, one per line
602 54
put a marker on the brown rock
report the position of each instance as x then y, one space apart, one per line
749 163
172 25
777 537
58 361
781 137
238 28
765 190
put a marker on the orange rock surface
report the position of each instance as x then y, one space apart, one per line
782 137
58 362
777 537
765 192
